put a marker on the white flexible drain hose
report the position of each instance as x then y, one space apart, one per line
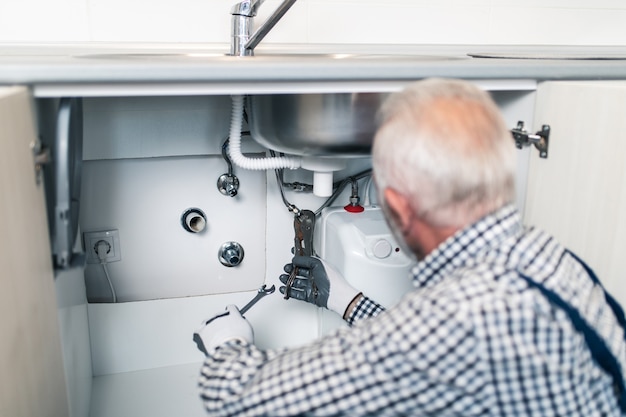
234 147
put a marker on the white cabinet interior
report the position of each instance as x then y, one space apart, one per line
138 346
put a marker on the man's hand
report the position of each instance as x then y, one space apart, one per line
318 283
221 328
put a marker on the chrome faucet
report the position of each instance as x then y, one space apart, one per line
243 13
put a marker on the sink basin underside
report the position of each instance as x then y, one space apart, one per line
338 124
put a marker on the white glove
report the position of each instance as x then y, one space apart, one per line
223 327
319 283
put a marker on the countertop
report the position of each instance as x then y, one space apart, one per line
55 67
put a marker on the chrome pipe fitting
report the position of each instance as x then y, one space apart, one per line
230 254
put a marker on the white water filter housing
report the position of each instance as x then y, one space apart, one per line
363 249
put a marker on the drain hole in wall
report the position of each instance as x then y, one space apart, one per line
193 220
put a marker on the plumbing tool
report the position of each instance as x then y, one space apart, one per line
261 292
304 225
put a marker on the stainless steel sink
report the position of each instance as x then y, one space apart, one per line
338 124
207 56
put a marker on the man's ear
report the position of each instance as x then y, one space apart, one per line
399 208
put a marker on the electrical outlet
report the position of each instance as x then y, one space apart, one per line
112 237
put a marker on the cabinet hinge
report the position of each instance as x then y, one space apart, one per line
41 157
540 140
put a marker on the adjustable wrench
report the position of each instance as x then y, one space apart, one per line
261 292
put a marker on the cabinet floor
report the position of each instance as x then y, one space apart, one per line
160 392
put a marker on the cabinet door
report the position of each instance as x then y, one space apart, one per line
32 382
579 192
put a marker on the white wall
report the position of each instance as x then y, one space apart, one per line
566 22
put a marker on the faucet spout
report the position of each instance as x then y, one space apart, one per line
269 24
242 44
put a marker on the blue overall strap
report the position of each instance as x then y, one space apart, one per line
599 350
617 309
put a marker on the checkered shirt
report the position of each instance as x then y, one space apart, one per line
471 339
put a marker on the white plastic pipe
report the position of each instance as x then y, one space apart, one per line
234 147
323 183
323 169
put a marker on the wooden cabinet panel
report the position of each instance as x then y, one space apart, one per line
32 381
579 192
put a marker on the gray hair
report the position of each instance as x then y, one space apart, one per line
444 145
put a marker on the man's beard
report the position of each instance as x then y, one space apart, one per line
413 254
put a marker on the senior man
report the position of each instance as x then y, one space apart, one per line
503 320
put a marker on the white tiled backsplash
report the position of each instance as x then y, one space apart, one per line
566 22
